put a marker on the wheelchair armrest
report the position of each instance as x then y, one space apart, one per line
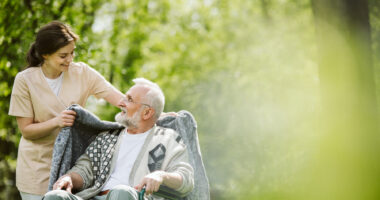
167 193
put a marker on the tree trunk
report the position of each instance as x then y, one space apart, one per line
346 163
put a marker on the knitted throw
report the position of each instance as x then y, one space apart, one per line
103 144
72 141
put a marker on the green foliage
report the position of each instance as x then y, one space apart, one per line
247 70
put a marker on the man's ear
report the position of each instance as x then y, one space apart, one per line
148 113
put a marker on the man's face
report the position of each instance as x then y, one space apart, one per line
131 107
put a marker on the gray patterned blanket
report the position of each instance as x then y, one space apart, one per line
71 142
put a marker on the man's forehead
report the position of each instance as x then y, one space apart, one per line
136 91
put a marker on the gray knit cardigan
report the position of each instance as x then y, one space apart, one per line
73 141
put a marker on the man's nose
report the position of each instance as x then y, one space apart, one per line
121 103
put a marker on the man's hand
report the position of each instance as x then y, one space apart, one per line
151 182
65 182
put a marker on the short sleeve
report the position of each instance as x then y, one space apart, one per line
21 103
99 86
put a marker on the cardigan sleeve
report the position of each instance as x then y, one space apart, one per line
83 167
179 163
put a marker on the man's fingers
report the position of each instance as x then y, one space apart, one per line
156 188
58 185
68 188
55 187
147 189
139 186
152 183
151 187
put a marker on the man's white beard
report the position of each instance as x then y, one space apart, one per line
128 121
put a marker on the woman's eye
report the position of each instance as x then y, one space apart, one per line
63 56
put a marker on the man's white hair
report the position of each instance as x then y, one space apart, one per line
154 97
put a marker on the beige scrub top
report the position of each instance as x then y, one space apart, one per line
32 97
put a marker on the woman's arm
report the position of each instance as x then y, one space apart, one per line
114 97
31 130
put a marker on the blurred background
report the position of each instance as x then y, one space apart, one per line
284 91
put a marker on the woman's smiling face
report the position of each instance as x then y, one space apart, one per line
61 59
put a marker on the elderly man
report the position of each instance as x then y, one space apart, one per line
119 164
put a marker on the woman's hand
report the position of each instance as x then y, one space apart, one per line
163 114
32 129
65 118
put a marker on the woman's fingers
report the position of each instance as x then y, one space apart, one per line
69 112
66 118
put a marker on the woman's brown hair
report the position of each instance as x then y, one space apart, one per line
49 39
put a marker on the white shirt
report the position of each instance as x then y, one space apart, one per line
130 147
55 84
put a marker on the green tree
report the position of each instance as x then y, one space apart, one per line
253 73
349 137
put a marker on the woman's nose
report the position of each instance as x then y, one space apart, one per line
70 58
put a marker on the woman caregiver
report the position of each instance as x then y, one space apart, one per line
40 95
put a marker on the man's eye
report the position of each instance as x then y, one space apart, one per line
63 56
